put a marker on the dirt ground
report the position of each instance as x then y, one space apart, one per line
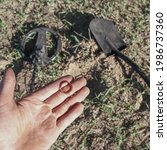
116 114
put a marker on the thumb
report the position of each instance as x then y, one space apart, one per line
7 87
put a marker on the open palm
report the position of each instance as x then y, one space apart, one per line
37 120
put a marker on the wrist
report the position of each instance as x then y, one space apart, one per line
28 146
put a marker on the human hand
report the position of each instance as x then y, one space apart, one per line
36 121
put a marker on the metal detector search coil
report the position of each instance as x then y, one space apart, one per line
39 54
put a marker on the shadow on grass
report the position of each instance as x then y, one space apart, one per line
76 26
97 86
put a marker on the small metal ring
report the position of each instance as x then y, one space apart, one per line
68 86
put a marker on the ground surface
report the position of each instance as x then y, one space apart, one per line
116 115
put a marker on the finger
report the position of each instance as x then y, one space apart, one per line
69 117
7 87
57 98
64 107
50 89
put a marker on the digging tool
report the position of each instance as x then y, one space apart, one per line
110 41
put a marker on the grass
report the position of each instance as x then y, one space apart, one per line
116 115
